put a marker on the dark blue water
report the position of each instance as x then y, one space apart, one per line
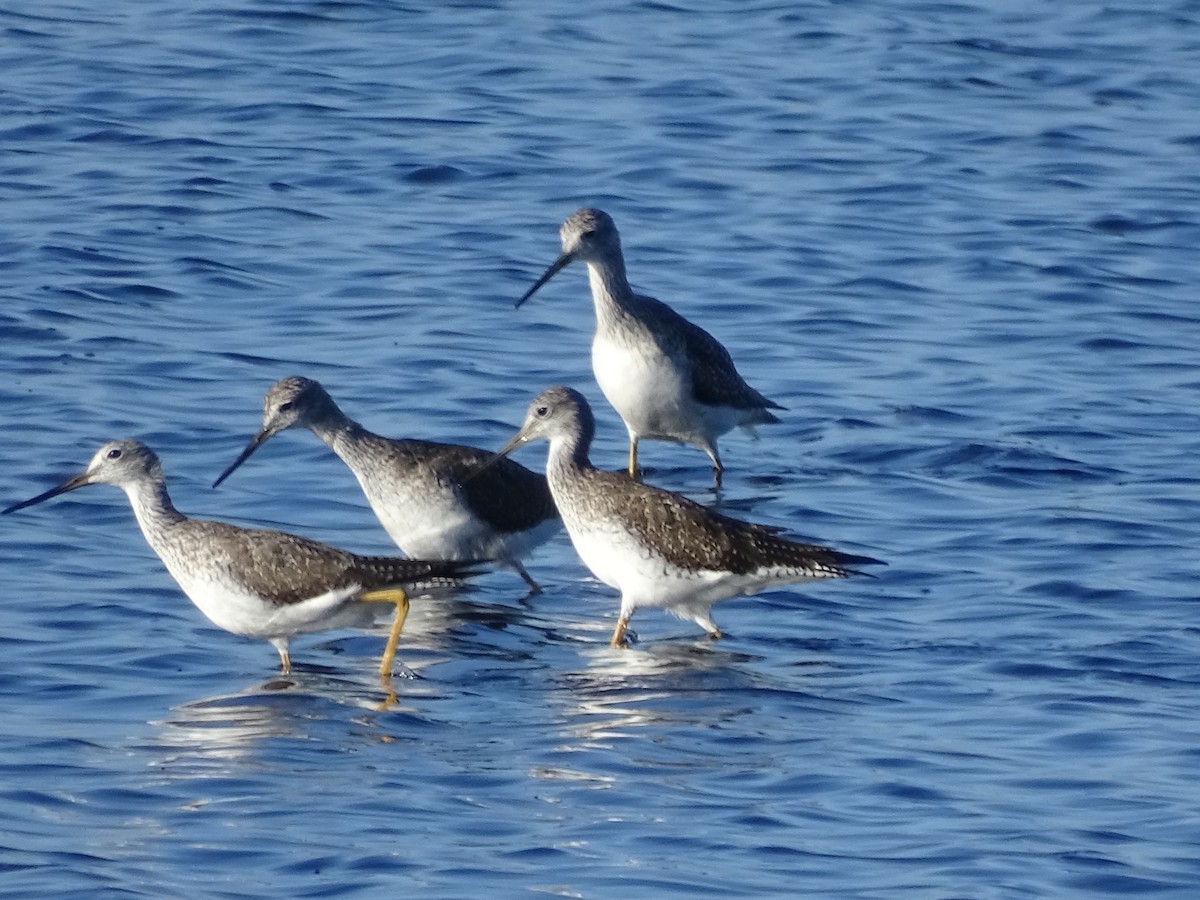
956 240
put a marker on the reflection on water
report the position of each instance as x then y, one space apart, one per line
220 733
437 622
623 690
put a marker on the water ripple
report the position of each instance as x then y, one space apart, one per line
955 240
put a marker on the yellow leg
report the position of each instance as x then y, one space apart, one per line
285 661
393 641
618 635
398 597
389 699
633 465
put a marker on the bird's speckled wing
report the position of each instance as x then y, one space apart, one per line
715 378
691 536
376 572
491 493
286 568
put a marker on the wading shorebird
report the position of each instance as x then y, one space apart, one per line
422 492
657 548
255 582
668 379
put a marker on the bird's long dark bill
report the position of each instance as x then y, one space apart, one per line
78 481
518 439
255 442
557 266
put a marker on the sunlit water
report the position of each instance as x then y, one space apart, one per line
956 240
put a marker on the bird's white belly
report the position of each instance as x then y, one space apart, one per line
230 607
623 562
433 521
430 522
646 390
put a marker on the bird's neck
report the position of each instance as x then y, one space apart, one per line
568 456
336 429
611 292
565 460
153 509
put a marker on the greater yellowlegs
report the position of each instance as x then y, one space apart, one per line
668 379
658 548
422 492
253 582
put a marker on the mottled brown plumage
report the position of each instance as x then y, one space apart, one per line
283 568
691 536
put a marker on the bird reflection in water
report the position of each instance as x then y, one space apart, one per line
222 732
673 684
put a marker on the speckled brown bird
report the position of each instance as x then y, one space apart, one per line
255 582
657 548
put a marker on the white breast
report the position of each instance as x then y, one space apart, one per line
644 389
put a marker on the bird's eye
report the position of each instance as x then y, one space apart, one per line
114 453
589 234
541 412
284 407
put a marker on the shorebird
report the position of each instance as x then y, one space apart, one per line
254 582
422 492
657 548
668 379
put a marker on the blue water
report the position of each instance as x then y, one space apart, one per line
957 241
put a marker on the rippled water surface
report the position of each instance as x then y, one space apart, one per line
956 240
